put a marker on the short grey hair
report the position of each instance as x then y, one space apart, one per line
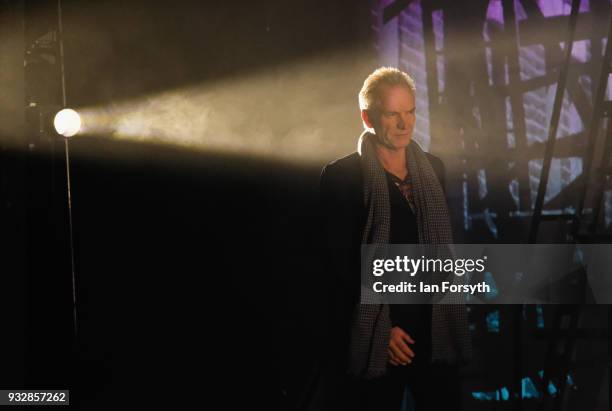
383 76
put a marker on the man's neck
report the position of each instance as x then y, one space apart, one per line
393 160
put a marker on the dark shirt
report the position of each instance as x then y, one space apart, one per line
414 319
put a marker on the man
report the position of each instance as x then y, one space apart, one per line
389 191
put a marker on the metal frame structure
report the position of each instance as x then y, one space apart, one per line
507 219
50 268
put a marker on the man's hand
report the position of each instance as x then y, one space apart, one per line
399 351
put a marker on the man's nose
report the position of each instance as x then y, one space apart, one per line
401 123
404 121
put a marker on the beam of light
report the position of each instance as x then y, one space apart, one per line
303 112
67 122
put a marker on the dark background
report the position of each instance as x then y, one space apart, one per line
183 259
197 269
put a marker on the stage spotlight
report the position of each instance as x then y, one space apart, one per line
67 122
238 115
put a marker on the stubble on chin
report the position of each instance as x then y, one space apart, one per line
385 141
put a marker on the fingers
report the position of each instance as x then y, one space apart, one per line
399 351
393 359
407 337
399 354
403 335
402 347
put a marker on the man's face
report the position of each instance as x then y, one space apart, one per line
393 121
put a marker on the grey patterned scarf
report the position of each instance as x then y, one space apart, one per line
371 324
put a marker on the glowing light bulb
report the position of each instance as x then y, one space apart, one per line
67 122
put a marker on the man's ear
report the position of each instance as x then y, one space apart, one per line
366 117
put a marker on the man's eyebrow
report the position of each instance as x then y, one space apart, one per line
393 111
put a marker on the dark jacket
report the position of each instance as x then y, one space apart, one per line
344 218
